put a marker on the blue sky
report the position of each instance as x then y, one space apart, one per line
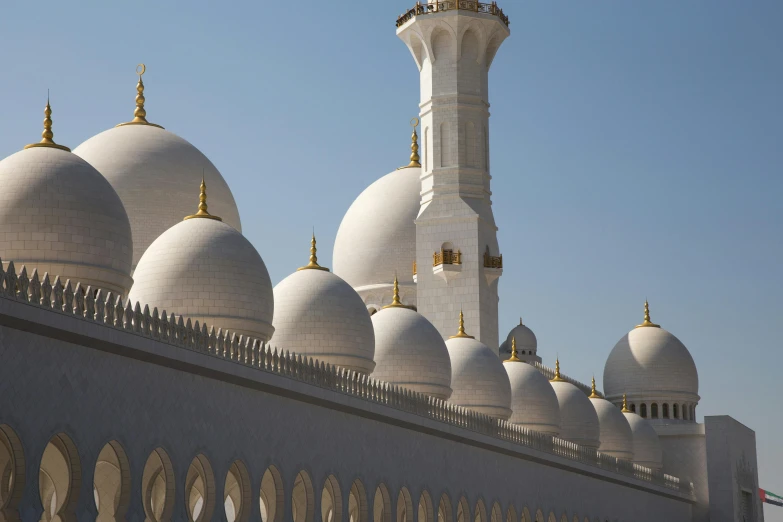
636 152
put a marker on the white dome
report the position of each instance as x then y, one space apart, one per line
527 344
533 401
377 238
478 378
319 315
154 172
59 215
578 420
616 437
650 363
205 270
646 445
410 352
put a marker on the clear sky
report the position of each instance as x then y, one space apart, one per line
637 151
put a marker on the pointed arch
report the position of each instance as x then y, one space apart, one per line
331 500
526 517
12 473
60 479
425 511
511 514
157 487
496 515
404 506
200 490
236 493
444 509
463 510
443 45
357 503
271 497
480 513
112 483
302 498
381 506
539 516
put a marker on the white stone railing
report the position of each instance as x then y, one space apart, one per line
549 373
110 310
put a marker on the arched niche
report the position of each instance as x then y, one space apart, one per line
157 487
357 503
381 504
463 510
511 514
425 511
496 514
111 483
526 517
404 506
540 516
12 474
271 497
302 498
236 493
444 509
480 513
200 490
59 480
331 501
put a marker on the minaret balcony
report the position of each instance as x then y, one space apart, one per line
493 266
447 264
490 8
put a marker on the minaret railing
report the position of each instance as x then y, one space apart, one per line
446 257
463 5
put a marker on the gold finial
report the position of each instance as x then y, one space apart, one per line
396 303
461 329
557 377
202 204
593 392
47 135
647 321
140 114
513 357
313 264
520 320
414 146
625 405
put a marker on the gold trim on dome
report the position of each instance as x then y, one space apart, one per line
647 322
140 114
514 352
47 136
202 204
461 330
593 392
557 377
313 264
396 303
625 404
415 160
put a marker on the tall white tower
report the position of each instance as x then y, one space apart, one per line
457 255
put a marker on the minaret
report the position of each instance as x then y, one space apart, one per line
457 254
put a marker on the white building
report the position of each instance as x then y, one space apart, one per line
143 349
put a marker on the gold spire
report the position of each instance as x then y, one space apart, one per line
647 321
313 264
625 405
47 135
557 377
461 330
202 204
414 146
513 357
396 303
593 393
140 114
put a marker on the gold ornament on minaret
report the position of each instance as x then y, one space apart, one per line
415 160
514 352
557 377
140 114
313 264
461 330
647 322
202 204
396 303
47 136
593 392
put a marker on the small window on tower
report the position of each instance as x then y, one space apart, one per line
643 411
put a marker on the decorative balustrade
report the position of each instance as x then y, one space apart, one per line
414 268
549 373
447 257
110 310
464 5
491 261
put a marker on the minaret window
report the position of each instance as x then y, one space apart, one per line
675 412
665 411
643 411
654 411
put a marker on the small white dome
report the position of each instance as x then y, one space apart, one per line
650 363
377 238
59 215
205 270
154 172
478 378
616 437
646 444
527 344
410 352
319 315
578 419
533 401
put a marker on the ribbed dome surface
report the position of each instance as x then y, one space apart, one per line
478 378
533 401
319 315
616 437
206 270
59 215
578 420
410 352
646 444
154 172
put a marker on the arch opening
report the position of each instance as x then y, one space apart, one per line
444 509
653 412
424 511
404 506
302 498
236 493
200 490
643 410
381 505
511 514
331 501
157 491
480 514
59 480
357 502
12 474
463 510
111 483
496 514
271 497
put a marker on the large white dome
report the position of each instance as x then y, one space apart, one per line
319 315
578 419
646 444
377 238
651 364
59 215
478 378
206 270
154 172
616 436
410 352
533 401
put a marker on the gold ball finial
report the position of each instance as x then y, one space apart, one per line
557 377
415 160
647 322
625 404
396 303
202 204
593 392
513 357
47 136
140 113
313 264
461 330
